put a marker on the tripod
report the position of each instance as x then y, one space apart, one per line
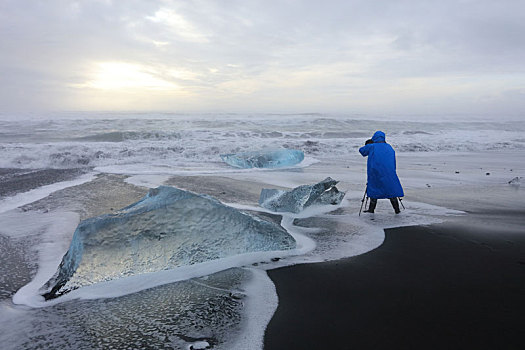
363 200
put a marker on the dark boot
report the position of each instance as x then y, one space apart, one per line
372 206
395 204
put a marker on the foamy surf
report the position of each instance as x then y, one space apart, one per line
172 141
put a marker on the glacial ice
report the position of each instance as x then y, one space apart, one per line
515 181
301 197
166 229
264 159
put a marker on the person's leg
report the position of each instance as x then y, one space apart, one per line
372 206
395 204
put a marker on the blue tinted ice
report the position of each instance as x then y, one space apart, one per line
264 159
301 197
168 228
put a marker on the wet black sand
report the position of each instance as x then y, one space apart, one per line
446 286
13 181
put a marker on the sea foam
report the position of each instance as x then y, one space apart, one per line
179 141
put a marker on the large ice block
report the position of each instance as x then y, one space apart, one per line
166 229
301 197
264 159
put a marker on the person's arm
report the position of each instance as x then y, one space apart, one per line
365 150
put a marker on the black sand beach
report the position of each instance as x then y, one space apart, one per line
14 181
454 285
445 286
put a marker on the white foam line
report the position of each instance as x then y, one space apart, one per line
55 243
29 295
306 213
261 303
304 244
41 192
262 299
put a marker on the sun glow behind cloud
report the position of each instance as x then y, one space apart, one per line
125 76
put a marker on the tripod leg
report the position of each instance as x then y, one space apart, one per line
363 200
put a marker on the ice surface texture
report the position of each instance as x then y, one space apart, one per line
166 229
301 197
264 159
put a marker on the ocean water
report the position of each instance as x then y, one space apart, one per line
57 169
133 143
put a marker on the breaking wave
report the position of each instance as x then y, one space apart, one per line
178 141
118 136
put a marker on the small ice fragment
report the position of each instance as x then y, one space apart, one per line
301 197
199 345
264 159
515 181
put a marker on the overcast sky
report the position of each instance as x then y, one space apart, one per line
414 57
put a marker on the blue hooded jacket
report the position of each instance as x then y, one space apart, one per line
381 169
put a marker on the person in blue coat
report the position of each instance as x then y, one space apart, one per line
381 171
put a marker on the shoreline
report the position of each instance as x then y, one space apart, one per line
449 285
331 322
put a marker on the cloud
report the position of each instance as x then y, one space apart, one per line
179 26
267 55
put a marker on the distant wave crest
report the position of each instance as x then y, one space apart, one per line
198 142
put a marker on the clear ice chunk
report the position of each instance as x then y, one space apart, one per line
264 159
301 197
166 229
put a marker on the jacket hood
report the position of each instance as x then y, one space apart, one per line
379 136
